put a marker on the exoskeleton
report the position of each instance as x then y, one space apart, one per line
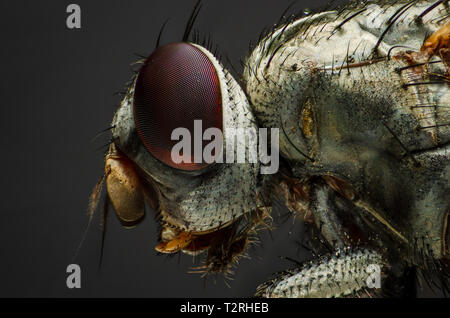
360 96
201 206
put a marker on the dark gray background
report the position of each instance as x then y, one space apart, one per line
57 93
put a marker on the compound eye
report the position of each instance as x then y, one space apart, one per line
176 85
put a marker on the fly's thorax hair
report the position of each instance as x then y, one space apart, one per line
287 67
373 104
333 84
198 200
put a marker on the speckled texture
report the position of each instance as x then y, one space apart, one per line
363 116
343 274
361 105
198 201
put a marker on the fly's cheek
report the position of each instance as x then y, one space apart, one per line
124 189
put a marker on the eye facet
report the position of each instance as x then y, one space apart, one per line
176 85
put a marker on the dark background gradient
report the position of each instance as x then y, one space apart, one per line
57 94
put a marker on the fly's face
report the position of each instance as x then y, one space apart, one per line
362 103
202 204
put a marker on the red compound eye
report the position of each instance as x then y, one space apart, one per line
176 85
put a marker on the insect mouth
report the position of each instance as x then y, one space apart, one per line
174 238
223 245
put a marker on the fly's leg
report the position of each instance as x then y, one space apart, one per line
348 273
